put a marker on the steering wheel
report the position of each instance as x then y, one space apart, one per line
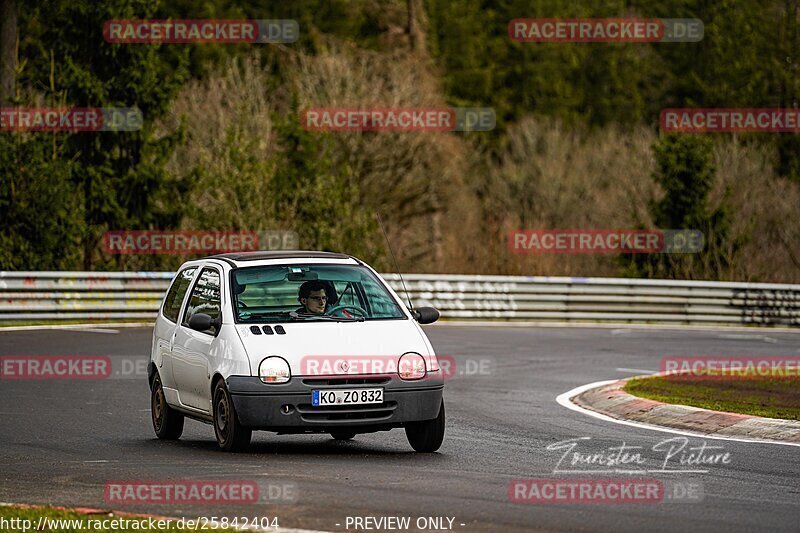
355 308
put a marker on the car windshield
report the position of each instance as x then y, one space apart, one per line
310 293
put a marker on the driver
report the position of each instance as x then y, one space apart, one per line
313 297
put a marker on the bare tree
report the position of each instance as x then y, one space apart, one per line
8 49
415 32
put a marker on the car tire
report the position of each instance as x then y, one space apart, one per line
343 435
231 435
427 436
167 422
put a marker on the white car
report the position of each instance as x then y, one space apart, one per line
292 342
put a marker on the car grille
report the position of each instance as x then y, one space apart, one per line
361 413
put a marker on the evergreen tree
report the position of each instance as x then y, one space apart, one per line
685 172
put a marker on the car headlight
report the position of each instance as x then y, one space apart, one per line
274 370
411 366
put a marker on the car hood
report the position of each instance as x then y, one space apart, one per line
334 341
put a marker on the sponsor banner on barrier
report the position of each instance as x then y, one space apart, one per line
70 119
604 491
158 31
199 492
715 367
605 241
196 241
605 30
752 120
398 119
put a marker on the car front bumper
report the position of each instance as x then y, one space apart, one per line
286 408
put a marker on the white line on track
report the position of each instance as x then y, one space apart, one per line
620 327
750 337
564 401
637 370
93 330
98 327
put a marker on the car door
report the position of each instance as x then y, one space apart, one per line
167 323
192 350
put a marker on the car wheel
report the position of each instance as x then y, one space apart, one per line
427 436
342 435
167 422
231 435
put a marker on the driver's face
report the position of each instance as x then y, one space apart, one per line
316 302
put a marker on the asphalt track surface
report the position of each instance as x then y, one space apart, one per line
62 441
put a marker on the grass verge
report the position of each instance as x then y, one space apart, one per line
772 398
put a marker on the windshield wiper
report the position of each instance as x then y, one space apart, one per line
328 318
294 315
246 315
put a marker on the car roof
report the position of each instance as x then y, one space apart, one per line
279 256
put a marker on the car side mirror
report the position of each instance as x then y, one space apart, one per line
200 322
426 315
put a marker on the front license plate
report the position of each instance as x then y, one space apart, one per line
346 396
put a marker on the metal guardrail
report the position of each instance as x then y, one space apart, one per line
90 296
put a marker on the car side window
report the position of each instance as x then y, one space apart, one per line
174 298
205 297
